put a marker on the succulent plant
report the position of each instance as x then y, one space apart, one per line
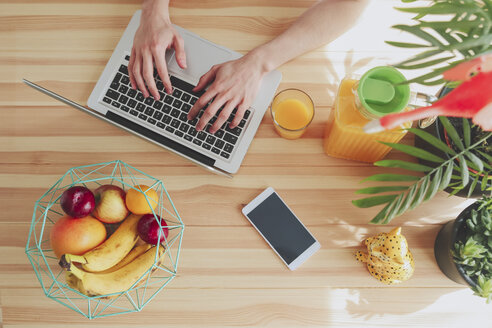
473 252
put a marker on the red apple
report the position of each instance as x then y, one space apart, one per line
148 229
110 204
77 201
76 236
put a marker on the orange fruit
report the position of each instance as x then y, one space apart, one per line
136 201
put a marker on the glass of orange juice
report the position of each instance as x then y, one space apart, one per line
292 111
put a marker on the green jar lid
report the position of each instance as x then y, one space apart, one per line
380 91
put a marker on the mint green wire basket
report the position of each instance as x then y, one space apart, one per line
52 277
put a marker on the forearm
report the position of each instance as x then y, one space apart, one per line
155 8
320 24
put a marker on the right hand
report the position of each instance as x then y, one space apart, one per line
154 36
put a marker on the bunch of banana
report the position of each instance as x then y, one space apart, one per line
111 251
114 281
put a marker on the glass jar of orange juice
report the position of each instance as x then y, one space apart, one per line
377 93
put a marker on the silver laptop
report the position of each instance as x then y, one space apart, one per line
164 122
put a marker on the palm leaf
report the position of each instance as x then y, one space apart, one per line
408 200
446 178
373 201
485 181
452 133
407 45
380 189
391 177
465 174
472 186
422 55
424 64
422 189
466 132
434 186
404 165
477 162
414 151
430 139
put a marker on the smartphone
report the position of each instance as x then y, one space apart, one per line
281 228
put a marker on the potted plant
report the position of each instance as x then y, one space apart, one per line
463 248
454 154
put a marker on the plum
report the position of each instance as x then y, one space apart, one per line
148 229
77 201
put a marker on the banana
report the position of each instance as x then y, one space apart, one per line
95 283
134 253
111 251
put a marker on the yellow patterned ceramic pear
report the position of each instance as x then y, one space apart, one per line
388 258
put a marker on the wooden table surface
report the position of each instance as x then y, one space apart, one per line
227 276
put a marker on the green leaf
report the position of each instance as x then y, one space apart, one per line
459 25
466 132
408 200
381 215
433 82
435 72
422 55
465 175
434 186
376 190
441 9
373 201
477 162
415 152
417 31
430 139
391 177
485 181
487 156
424 64
472 187
484 40
404 165
455 191
395 205
451 132
451 39
421 192
446 178
406 44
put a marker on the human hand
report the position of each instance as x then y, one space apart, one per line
233 84
154 36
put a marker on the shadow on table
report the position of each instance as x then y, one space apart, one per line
334 76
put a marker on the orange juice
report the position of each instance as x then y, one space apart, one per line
344 135
292 113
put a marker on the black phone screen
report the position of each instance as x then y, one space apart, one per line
281 228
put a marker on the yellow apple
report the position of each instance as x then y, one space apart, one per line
110 204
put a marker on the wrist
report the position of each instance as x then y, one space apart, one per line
155 9
263 58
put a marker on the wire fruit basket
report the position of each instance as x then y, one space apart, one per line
54 279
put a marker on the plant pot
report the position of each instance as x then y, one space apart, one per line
437 130
449 234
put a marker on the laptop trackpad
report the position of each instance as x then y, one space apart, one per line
201 55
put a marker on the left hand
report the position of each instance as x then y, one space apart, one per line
233 84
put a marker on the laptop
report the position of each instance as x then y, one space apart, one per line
165 122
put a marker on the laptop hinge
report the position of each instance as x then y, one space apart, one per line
169 143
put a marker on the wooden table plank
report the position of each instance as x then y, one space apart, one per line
227 276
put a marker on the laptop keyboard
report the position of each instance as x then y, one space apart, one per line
169 114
